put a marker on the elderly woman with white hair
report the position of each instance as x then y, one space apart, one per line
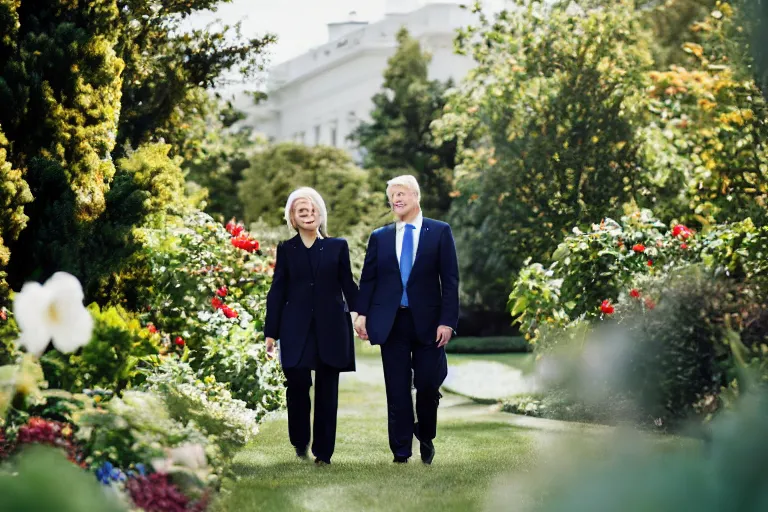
308 314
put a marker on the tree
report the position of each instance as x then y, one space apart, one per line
710 128
215 157
14 194
546 126
81 84
277 170
166 67
398 139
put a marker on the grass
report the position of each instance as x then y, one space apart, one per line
473 447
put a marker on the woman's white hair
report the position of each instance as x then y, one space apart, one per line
313 197
407 181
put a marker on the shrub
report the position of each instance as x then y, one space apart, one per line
208 403
209 298
487 345
110 361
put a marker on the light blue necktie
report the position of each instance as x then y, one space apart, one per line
406 260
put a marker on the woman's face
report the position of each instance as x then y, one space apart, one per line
305 215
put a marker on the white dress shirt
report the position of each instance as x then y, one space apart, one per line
400 227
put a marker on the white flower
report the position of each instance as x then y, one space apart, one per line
53 311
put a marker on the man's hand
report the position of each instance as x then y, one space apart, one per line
444 334
360 327
271 348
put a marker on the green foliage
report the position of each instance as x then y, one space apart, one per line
546 129
43 479
135 428
81 83
14 194
398 140
208 403
758 13
167 68
216 158
725 473
110 361
705 150
689 324
60 66
278 170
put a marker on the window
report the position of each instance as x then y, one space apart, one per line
334 132
317 135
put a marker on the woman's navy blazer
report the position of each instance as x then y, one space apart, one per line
298 295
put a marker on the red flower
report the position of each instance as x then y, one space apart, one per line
151 328
681 231
649 303
229 312
634 293
606 307
638 248
216 303
683 246
246 243
650 263
3 315
222 292
179 341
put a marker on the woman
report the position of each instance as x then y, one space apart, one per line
306 312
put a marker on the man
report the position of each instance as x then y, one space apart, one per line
409 304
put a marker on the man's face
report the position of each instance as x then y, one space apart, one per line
403 201
304 215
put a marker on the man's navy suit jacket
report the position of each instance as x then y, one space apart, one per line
433 285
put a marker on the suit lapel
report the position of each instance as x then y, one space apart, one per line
424 238
389 241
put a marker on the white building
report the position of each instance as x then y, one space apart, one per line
321 96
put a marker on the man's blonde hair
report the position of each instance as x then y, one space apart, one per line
407 181
314 197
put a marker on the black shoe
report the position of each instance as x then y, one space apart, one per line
301 452
321 462
427 451
400 460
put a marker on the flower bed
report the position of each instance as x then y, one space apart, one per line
153 403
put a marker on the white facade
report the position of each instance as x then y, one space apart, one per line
322 95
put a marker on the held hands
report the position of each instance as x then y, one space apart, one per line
444 334
360 327
270 348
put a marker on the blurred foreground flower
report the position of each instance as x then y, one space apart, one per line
55 311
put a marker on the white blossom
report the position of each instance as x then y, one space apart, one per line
53 311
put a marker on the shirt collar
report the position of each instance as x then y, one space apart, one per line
417 222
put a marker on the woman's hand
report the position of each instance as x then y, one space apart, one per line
271 348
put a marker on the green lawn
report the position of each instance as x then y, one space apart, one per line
473 447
